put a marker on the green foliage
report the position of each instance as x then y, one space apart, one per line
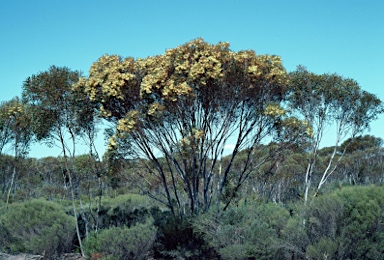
122 242
124 210
326 248
329 99
323 216
347 224
245 231
177 239
344 224
362 222
295 239
15 126
54 105
36 226
361 143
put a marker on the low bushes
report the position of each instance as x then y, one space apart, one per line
122 242
37 227
124 210
347 223
247 231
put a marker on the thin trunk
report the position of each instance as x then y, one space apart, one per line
98 204
72 193
84 218
328 170
75 211
308 177
14 171
11 185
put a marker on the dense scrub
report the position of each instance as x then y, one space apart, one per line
346 223
267 219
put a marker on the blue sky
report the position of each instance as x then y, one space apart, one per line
346 37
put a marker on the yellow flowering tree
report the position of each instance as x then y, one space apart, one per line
176 112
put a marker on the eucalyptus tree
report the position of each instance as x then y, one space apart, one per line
16 131
325 101
61 116
5 125
5 136
175 113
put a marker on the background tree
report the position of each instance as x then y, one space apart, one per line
330 100
361 143
17 131
5 129
60 117
176 112
363 161
5 138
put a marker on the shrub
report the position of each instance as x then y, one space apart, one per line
324 215
177 238
324 249
122 242
246 231
37 227
124 210
347 224
361 225
295 239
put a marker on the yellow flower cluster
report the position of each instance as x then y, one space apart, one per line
147 65
172 74
261 67
294 123
198 61
104 113
128 123
155 107
272 68
244 57
182 67
308 128
274 110
155 80
112 143
172 91
254 70
192 141
206 68
14 110
111 74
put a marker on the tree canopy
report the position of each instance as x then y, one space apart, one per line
184 106
330 100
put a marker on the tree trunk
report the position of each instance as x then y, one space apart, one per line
11 185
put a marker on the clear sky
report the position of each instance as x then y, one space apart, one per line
342 36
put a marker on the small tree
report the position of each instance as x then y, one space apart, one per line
16 128
5 135
330 100
60 116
